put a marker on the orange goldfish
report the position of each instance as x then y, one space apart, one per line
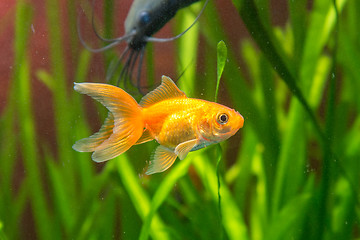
178 123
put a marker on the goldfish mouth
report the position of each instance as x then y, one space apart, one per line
241 122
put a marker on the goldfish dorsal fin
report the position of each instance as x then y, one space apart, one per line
162 159
166 90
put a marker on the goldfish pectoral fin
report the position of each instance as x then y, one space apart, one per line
162 159
166 90
89 144
184 148
145 137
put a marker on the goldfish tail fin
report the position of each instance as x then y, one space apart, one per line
89 144
123 127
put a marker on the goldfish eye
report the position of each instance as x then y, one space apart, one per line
222 118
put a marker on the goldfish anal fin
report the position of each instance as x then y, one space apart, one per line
162 159
184 148
145 137
89 144
117 143
166 90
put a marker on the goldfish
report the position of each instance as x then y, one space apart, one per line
178 123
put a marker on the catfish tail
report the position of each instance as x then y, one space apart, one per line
122 128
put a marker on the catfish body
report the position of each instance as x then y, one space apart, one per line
144 19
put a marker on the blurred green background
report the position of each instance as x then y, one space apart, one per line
292 172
